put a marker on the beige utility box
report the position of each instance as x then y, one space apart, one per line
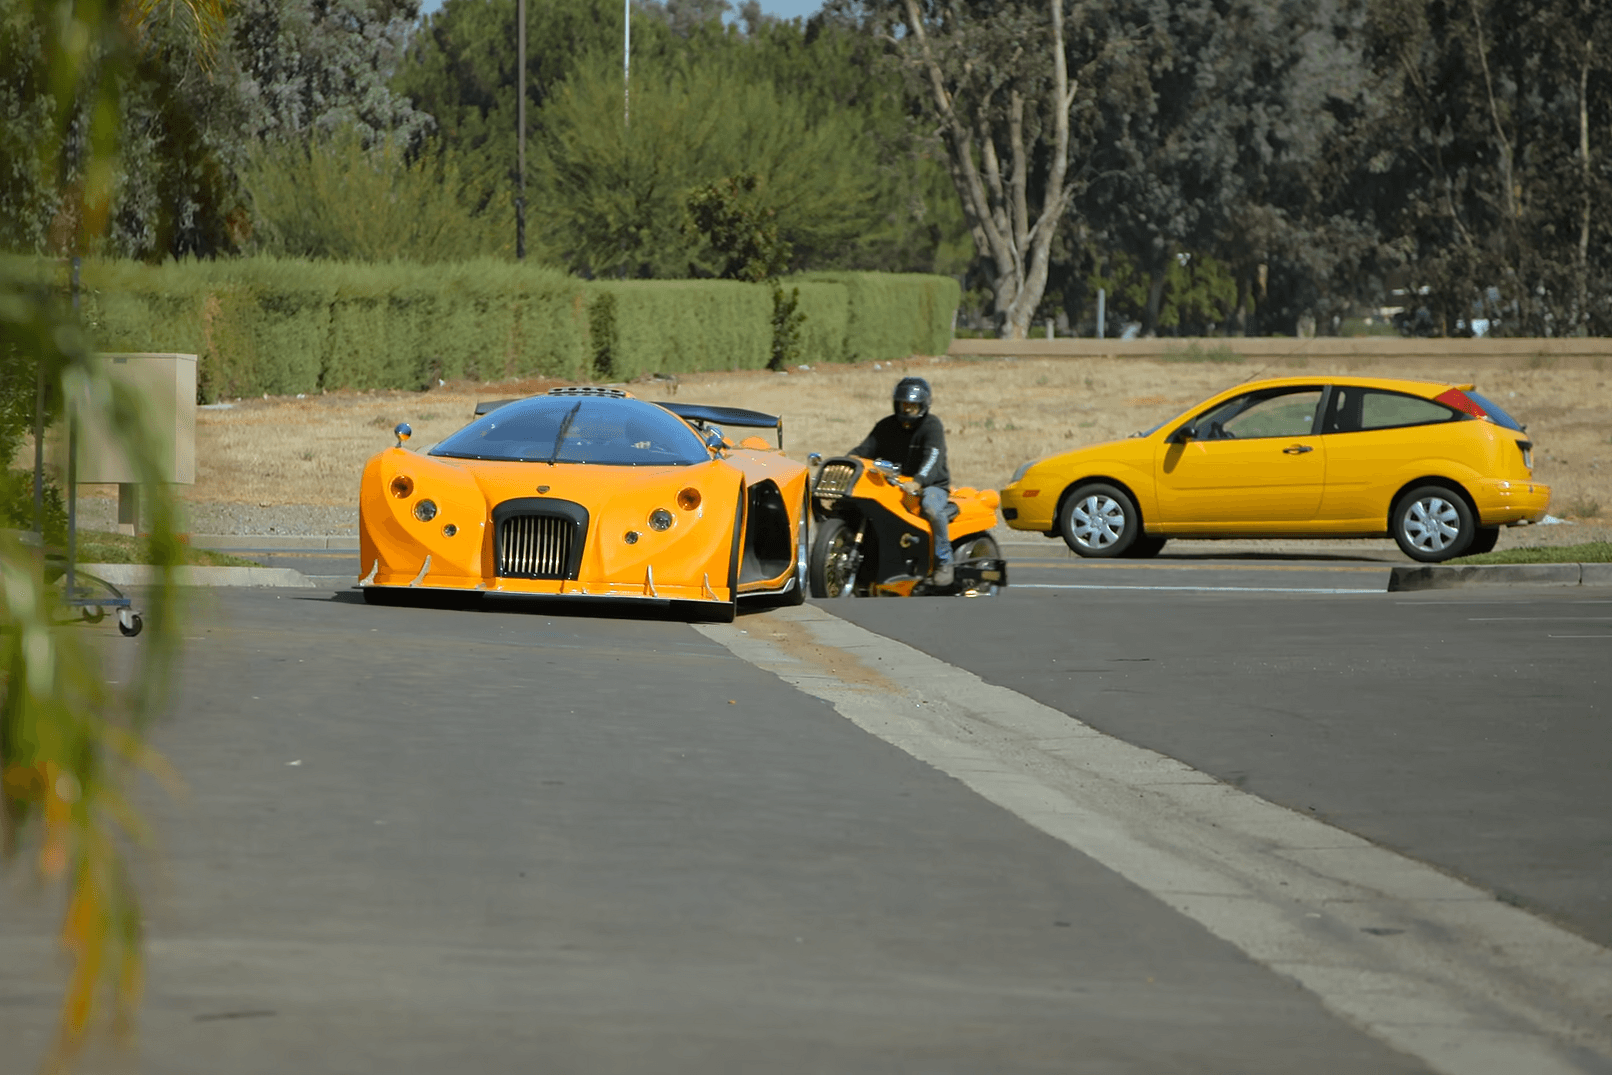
165 387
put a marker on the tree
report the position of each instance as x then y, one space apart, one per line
334 196
614 193
996 80
1213 135
461 69
317 66
1496 184
171 192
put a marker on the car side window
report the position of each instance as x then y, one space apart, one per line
1282 414
1355 409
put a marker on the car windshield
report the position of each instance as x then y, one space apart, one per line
569 429
1501 418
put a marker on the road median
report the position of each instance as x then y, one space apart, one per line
146 575
1449 576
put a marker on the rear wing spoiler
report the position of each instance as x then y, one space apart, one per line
700 415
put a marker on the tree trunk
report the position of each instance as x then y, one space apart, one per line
1155 302
997 209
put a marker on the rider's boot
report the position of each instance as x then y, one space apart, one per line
943 575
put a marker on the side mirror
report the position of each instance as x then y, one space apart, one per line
402 432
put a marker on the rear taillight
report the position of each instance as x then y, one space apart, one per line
1461 402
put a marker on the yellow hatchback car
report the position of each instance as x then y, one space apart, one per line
1437 466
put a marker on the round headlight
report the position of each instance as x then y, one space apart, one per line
688 499
449 530
425 510
661 519
630 537
402 486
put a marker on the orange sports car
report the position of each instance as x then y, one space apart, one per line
1437 466
589 493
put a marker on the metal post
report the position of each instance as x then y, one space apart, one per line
520 112
39 446
626 62
72 466
1101 296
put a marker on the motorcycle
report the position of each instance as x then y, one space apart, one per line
872 541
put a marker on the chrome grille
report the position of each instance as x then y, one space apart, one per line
535 546
835 479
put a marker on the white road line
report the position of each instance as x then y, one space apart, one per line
1472 986
1185 589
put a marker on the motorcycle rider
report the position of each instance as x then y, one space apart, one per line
915 438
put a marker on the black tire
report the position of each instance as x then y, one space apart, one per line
1432 523
1483 540
1146 547
133 628
828 567
975 547
1099 520
978 547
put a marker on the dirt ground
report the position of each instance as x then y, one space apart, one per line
998 414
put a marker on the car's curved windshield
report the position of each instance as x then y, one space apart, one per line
569 429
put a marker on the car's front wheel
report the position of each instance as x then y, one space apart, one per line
1432 524
1099 520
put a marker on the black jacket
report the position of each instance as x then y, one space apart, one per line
921 450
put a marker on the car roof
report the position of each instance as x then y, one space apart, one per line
1395 384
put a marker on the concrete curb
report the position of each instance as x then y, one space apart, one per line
1444 577
145 575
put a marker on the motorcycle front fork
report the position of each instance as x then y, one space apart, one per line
853 558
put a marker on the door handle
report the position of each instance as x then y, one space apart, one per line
1297 449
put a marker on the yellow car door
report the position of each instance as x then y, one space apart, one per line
1251 463
1372 436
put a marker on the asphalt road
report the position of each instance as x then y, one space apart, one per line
1469 728
422 839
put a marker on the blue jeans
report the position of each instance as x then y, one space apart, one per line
932 503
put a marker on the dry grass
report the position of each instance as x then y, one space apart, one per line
997 415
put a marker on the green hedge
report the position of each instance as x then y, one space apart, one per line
263 325
893 315
827 307
679 326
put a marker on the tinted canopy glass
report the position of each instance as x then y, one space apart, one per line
568 429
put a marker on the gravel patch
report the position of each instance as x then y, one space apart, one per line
101 513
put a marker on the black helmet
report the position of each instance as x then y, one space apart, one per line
910 390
